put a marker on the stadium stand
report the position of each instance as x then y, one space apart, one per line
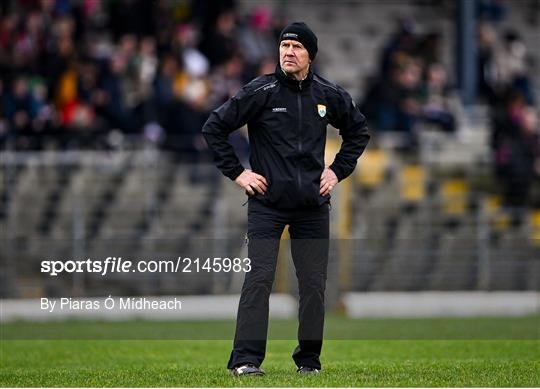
101 154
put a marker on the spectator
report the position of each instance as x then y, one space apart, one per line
517 149
220 43
116 87
256 40
511 67
401 44
502 64
146 64
486 50
393 104
436 102
226 81
195 63
20 108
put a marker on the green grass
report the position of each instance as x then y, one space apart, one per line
336 328
201 363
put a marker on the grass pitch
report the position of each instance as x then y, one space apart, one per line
201 363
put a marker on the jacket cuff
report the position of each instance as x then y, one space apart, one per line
234 173
337 171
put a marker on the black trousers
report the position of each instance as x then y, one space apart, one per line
309 232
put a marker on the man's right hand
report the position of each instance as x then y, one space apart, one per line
252 182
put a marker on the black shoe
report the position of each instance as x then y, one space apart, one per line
306 370
247 369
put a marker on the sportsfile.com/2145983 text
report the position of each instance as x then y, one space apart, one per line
120 265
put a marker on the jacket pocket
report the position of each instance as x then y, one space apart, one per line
283 194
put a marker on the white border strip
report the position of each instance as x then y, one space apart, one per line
441 304
357 305
192 308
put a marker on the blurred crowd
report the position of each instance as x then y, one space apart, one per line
505 84
90 73
411 86
99 74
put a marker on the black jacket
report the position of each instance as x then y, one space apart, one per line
287 122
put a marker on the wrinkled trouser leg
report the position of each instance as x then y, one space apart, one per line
309 230
265 226
309 233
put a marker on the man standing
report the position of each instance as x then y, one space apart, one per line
287 113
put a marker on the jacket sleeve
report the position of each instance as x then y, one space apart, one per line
353 130
232 115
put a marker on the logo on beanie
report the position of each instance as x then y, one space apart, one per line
290 35
321 109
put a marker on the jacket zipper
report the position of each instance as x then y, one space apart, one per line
299 175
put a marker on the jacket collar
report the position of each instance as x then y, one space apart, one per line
291 82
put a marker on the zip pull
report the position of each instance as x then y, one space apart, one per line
300 84
246 239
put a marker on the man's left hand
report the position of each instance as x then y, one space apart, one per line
329 181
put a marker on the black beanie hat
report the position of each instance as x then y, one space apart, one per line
299 31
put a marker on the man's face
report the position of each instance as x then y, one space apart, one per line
293 57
